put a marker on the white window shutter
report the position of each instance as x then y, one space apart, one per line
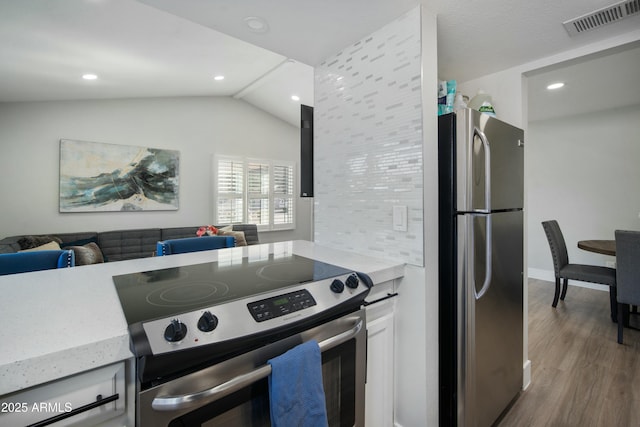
257 192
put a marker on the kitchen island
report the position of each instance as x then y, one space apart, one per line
66 322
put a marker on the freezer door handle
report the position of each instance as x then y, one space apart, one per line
488 260
487 169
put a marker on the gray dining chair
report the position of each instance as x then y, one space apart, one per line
627 275
581 272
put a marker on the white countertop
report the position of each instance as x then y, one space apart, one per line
56 323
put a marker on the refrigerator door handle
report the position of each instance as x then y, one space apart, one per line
487 169
488 260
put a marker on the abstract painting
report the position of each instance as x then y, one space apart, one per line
98 177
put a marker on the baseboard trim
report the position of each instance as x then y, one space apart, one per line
526 375
536 273
549 276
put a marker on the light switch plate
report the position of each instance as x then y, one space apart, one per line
400 218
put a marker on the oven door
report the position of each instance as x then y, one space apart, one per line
234 393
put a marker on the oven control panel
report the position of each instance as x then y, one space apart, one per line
280 305
249 316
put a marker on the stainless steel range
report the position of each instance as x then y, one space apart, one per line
202 335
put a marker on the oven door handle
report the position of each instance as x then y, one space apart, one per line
174 403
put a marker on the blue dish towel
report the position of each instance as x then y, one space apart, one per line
296 393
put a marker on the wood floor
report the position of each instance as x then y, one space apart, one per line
580 375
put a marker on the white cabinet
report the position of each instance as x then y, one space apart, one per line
380 363
97 397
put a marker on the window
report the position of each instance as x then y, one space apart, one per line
255 192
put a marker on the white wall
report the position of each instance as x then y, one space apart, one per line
198 127
430 200
583 171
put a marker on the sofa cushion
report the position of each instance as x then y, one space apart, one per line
178 232
129 244
30 242
80 242
77 239
250 232
51 246
9 245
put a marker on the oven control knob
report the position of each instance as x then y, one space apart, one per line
176 331
337 286
352 281
207 322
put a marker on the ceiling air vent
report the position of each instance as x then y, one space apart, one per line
600 17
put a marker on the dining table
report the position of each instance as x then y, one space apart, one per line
605 247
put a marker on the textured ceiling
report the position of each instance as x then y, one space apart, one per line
479 37
153 48
137 51
594 83
475 37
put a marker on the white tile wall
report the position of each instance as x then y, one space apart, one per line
368 144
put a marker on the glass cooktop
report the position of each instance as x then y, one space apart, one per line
162 293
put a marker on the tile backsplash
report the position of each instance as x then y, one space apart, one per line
368 144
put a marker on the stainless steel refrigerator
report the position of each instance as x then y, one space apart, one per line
481 185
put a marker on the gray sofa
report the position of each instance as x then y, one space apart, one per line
120 245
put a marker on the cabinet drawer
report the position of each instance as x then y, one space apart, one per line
83 399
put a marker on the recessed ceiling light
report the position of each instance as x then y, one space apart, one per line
218 78
256 24
295 97
554 86
89 76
